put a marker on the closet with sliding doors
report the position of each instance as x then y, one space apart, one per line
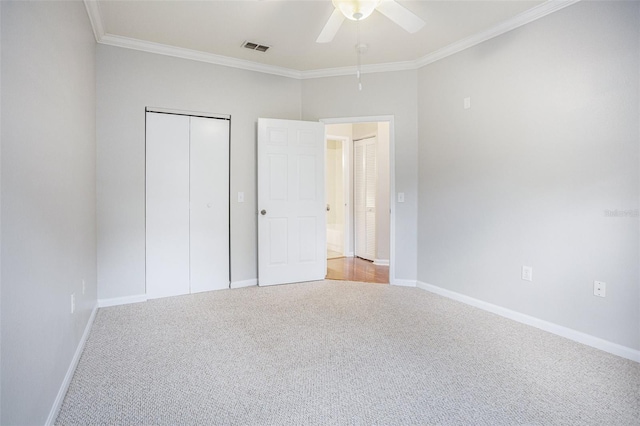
187 202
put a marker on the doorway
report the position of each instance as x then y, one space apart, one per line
358 182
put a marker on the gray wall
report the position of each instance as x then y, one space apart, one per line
525 176
48 199
127 82
391 93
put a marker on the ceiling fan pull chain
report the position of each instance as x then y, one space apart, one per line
358 53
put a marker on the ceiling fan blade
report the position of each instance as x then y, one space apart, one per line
400 15
331 27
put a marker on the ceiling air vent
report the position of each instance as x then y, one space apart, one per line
255 46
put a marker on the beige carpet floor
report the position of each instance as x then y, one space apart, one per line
338 353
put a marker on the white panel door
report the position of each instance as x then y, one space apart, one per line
167 205
291 202
365 179
209 215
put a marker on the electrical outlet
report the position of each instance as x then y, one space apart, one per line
467 103
241 197
73 302
599 289
527 273
401 197
83 287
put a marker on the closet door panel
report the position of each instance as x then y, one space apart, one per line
365 180
167 205
209 216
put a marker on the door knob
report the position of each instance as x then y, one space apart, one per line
263 212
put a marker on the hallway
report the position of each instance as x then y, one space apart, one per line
356 269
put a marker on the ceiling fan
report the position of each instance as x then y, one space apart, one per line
357 10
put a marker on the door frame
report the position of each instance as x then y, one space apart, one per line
345 143
392 179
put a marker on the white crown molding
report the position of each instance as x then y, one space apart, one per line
519 20
544 9
195 55
364 69
93 10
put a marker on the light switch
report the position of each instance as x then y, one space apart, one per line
241 197
401 197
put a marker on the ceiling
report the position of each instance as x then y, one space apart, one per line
217 30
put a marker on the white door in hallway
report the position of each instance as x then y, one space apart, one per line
291 202
187 204
365 178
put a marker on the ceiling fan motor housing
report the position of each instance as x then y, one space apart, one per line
356 10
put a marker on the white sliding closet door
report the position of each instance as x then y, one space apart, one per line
187 211
209 193
167 226
365 179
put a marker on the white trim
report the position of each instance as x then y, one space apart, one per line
116 301
519 20
351 120
392 177
568 333
93 10
195 55
364 69
381 262
189 113
403 283
246 283
533 14
62 392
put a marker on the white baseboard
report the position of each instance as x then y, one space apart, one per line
245 283
381 262
568 333
104 303
62 392
404 283
350 254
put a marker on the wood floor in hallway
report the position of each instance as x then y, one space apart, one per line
356 269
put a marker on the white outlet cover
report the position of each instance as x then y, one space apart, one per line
401 197
527 273
241 197
600 289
